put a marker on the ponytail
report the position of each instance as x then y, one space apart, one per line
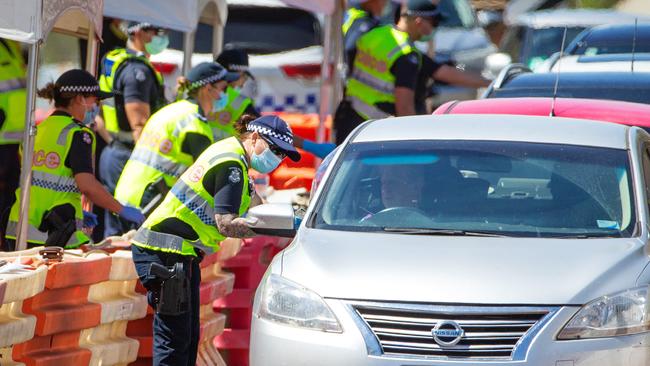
242 125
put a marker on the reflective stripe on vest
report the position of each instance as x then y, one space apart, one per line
53 182
158 162
368 111
12 84
37 236
194 202
373 81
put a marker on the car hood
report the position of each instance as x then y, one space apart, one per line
471 270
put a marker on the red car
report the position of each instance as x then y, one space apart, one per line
633 114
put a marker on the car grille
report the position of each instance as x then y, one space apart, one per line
490 333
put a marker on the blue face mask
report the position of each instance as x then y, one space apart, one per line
89 116
221 103
157 45
265 162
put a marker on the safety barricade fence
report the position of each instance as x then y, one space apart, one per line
248 268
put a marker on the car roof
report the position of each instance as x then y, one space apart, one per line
574 18
502 127
605 62
577 79
633 114
608 33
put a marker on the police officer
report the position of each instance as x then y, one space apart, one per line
236 103
358 20
12 122
173 138
139 92
387 66
203 208
63 167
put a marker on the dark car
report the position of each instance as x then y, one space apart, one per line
518 81
612 39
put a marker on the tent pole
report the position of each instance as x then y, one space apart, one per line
188 49
217 39
91 52
325 78
28 148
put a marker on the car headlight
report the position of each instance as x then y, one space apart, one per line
622 313
286 302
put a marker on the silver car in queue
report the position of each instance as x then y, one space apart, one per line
465 240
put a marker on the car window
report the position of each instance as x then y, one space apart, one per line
458 13
540 44
612 41
509 188
259 30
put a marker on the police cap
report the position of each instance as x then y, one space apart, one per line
77 81
208 73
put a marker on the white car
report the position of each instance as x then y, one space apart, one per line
285 50
465 240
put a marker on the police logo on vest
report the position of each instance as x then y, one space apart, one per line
196 173
166 146
51 159
235 175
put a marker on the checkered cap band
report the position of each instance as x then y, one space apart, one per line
208 80
136 27
288 138
86 89
423 13
238 67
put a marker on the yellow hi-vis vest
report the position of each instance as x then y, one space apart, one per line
189 202
223 122
351 16
112 65
371 81
13 96
158 153
53 183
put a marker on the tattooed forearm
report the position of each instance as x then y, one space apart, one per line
233 226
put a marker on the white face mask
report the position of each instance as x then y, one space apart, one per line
92 111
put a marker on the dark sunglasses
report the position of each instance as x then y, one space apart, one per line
274 149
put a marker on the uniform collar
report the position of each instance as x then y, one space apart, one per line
135 53
200 114
60 113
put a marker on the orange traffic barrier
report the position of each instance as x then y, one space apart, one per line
62 311
286 177
120 303
17 285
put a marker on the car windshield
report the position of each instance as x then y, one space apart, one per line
486 187
259 30
541 43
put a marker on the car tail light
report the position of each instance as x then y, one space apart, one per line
164 67
306 71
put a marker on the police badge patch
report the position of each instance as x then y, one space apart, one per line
87 139
235 175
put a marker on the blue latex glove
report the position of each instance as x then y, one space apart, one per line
320 150
132 214
90 219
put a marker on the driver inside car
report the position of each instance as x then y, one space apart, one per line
400 186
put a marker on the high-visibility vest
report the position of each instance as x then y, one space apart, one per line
191 203
13 95
223 121
158 153
52 183
371 81
112 64
351 16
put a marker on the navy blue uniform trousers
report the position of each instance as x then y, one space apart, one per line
175 337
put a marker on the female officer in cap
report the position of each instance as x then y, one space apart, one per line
62 167
202 209
173 138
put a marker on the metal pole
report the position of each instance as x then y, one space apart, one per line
91 51
325 79
28 147
188 49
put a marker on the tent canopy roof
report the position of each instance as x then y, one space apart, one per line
30 21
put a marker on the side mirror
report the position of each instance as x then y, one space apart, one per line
273 219
495 62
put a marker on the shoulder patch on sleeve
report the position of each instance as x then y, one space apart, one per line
139 75
87 139
235 175
413 58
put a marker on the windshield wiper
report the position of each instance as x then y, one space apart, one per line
450 232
